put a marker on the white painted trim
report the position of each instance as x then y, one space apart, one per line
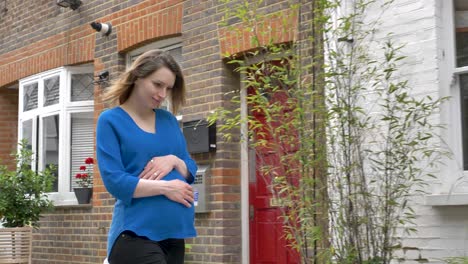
245 231
165 44
450 113
63 198
67 76
446 199
67 154
461 70
245 206
64 108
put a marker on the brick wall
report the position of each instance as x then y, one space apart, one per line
8 124
413 23
209 78
36 36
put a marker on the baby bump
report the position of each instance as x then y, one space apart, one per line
158 213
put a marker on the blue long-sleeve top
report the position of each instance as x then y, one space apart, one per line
123 149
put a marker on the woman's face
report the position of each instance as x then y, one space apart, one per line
152 90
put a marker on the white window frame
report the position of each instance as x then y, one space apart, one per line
453 186
64 195
165 44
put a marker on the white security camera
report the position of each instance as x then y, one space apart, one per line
104 28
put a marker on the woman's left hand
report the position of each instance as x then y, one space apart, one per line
158 167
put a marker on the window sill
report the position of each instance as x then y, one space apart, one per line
67 199
447 199
74 206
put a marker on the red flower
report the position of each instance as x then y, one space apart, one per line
85 177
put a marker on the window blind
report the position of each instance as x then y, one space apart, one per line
82 140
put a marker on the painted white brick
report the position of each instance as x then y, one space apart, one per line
442 231
412 254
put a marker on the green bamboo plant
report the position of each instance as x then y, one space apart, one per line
457 260
352 144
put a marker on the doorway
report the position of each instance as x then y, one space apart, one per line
267 236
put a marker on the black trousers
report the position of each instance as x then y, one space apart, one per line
132 249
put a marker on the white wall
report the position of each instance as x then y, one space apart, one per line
443 230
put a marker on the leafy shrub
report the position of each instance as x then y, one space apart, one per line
23 192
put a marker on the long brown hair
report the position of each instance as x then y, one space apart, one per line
142 67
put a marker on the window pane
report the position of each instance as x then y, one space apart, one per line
464 103
82 142
27 134
176 53
461 24
30 97
82 87
50 139
51 90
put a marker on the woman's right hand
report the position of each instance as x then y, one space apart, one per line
179 191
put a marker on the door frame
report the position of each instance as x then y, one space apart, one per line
245 165
245 230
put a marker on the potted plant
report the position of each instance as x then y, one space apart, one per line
84 178
23 198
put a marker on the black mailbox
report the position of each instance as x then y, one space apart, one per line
200 136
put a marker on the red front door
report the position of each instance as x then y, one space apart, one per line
267 236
